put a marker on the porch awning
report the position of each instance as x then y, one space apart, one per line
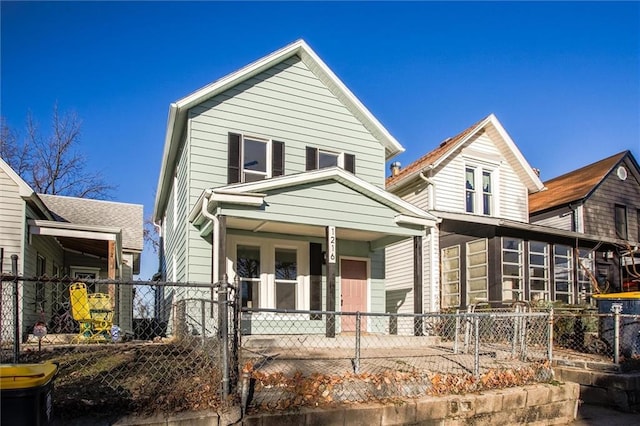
305 203
86 239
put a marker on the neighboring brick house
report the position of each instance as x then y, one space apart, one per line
260 169
602 200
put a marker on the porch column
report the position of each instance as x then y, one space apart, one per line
330 233
111 274
221 247
417 285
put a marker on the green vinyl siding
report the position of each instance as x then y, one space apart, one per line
323 204
286 103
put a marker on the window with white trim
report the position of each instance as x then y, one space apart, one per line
512 269
321 159
286 278
563 273
248 271
253 158
477 271
478 190
450 293
538 271
272 273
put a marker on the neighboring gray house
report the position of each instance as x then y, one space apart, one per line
601 199
56 236
261 168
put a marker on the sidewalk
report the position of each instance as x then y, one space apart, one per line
591 415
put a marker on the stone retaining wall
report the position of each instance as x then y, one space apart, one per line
542 404
612 389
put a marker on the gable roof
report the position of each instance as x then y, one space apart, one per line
255 189
98 213
450 146
178 110
574 186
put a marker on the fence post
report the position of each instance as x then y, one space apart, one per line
457 332
224 335
476 351
202 321
16 309
616 308
356 360
550 336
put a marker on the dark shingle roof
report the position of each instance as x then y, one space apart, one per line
573 186
83 211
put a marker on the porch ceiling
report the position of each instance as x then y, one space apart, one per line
300 229
91 247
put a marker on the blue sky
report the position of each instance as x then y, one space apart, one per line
563 78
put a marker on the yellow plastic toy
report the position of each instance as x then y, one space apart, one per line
93 312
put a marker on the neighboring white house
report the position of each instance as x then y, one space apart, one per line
478 176
56 236
261 169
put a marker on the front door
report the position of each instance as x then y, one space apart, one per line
353 285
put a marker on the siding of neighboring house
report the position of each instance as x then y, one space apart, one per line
556 219
12 221
509 190
12 233
599 208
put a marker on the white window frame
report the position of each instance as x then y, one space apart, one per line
339 155
268 155
519 292
545 293
268 246
446 283
470 294
479 168
568 257
586 258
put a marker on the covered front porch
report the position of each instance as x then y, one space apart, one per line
311 241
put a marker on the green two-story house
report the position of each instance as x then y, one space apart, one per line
272 178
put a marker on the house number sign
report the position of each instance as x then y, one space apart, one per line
331 244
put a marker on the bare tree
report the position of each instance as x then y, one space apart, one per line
51 163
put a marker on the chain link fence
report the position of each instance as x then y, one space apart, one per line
149 347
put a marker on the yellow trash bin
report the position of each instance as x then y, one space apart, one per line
26 393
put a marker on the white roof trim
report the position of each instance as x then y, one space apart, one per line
73 226
177 110
338 174
25 189
493 120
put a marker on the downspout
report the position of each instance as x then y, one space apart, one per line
216 232
431 192
430 239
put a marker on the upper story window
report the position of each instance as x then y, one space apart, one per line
478 191
252 158
621 221
322 159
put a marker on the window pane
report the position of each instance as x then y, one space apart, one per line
511 257
255 155
285 295
250 292
286 265
512 270
537 259
478 271
538 247
477 246
248 263
470 189
511 244
621 221
327 159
